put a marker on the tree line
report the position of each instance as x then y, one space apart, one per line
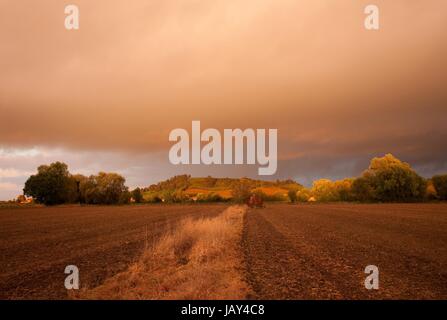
387 179
53 184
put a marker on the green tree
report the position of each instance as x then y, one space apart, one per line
88 190
324 190
292 196
51 185
303 195
440 184
105 188
137 195
174 196
343 188
76 194
394 180
362 190
430 192
124 197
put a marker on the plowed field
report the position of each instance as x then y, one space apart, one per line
36 244
321 251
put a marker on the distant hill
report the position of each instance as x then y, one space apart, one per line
196 187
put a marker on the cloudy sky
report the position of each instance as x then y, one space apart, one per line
106 96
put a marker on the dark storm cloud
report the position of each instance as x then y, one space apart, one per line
337 94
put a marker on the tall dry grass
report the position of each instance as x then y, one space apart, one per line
200 259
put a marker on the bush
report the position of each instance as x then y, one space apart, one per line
440 184
210 197
430 192
362 190
154 198
343 189
399 184
324 190
51 185
394 180
105 188
388 180
174 196
292 196
278 196
125 197
303 195
137 195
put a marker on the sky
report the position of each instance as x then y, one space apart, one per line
106 96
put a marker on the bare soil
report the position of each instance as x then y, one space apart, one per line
320 251
199 260
309 251
36 244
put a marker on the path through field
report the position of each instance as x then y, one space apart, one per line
289 251
320 251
